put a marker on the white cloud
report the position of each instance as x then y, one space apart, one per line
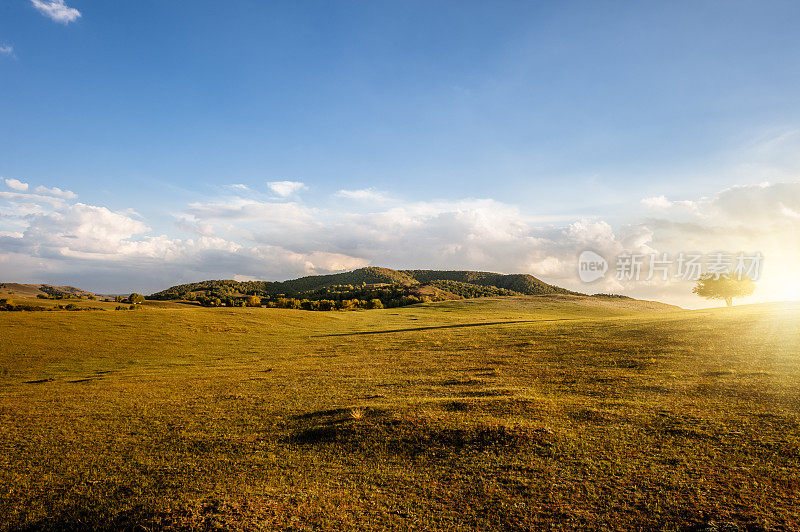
364 194
56 10
286 188
657 202
16 184
238 187
83 228
190 224
53 239
55 191
6 50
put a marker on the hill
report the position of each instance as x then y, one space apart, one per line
391 287
520 283
44 290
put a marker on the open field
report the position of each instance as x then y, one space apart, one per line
535 412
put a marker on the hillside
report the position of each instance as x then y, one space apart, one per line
373 283
520 283
34 290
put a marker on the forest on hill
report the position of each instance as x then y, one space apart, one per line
370 287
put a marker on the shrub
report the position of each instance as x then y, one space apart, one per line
409 300
346 304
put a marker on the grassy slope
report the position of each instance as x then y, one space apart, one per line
549 411
18 290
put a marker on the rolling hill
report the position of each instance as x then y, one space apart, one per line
432 283
33 290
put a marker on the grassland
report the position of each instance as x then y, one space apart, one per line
542 412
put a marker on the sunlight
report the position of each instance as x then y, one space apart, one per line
778 290
791 291
781 283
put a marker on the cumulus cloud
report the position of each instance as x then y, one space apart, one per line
56 10
16 184
657 202
92 243
47 235
82 228
286 188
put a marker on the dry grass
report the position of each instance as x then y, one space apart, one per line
541 412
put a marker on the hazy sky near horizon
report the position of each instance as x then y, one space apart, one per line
148 143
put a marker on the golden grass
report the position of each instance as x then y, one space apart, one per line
539 412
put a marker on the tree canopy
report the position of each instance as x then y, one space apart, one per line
725 287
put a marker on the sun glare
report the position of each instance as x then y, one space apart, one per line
792 291
781 286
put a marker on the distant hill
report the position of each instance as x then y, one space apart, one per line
373 283
33 290
369 275
517 282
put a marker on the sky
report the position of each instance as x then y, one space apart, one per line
149 143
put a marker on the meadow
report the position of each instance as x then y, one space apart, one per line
538 412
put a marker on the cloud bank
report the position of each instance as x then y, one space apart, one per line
47 235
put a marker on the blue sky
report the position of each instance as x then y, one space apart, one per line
556 111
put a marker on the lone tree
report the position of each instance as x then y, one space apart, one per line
136 299
724 287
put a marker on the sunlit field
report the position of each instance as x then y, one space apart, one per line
539 412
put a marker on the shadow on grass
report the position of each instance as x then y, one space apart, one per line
92 514
87 514
379 433
455 326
